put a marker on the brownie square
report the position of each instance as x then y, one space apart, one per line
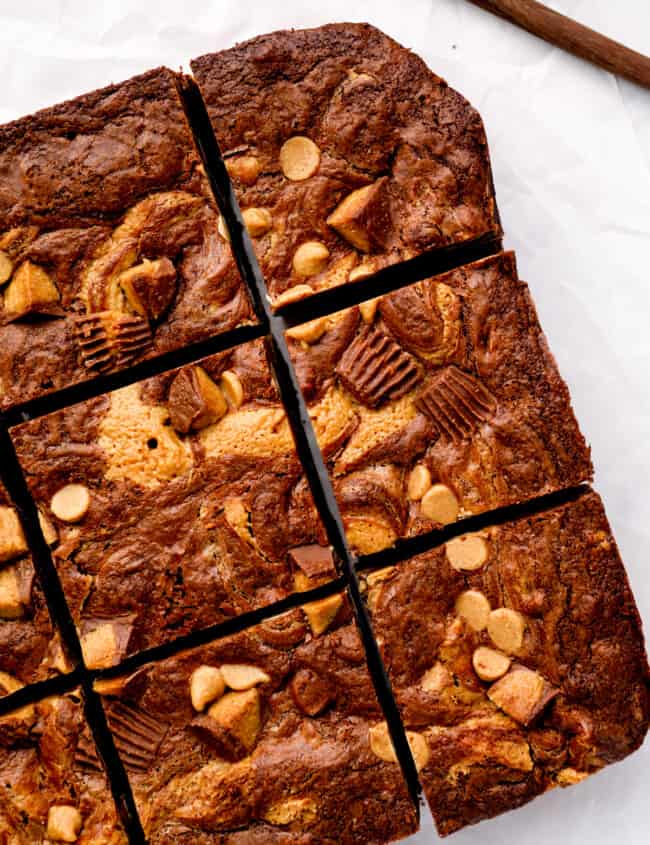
29 647
180 502
265 737
517 654
52 785
437 401
109 244
346 153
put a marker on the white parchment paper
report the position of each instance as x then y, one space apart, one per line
571 153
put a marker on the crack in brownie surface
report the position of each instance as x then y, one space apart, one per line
179 501
518 655
52 785
273 735
447 400
29 648
346 152
109 245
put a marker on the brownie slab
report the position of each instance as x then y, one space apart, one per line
109 249
442 401
29 648
518 654
346 154
52 785
264 737
179 501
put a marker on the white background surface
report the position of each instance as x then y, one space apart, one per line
571 154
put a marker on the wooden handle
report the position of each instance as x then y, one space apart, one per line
573 37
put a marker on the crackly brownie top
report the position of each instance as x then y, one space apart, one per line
28 645
52 786
109 250
443 400
518 654
266 736
179 501
346 152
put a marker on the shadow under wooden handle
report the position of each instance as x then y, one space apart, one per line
573 37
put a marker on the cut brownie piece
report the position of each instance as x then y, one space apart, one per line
273 736
29 648
346 153
518 654
109 250
442 400
52 785
180 501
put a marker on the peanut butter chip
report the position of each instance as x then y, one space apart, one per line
71 502
309 332
258 221
12 538
232 388
63 823
244 168
361 271
439 504
299 158
368 309
381 743
419 749
50 533
207 684
467 553
240 676
310 258
474 608
419 482
506 629
6 268
294 294
488 664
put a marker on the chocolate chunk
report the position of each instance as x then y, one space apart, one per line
412 320
150 287
313 560
195 401
137 735
310 692
522 693
363 218
457 402
375 369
